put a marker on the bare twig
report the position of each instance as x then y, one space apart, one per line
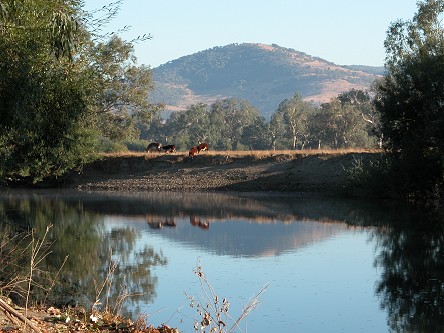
213 311
36 258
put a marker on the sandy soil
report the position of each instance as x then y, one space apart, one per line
211 171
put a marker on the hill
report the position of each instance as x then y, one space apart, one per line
264 75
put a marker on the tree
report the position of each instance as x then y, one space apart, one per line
120 88
60 87
294 114
190 127
275 131
410 99
229 118
43 106
254 135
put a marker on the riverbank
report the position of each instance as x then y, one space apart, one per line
323 172
15 319
307 172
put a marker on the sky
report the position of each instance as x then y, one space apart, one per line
345 32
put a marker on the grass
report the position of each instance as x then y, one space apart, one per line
256 153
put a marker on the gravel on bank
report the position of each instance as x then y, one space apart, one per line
320 173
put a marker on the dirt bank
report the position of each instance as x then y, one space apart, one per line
283 172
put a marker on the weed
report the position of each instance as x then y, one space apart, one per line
213 311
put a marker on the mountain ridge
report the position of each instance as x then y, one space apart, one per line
263 74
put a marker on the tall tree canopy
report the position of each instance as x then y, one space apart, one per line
410 98
57 82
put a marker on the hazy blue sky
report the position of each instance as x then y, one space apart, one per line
345 32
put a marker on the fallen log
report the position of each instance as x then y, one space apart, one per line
11 313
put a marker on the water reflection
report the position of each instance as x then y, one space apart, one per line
79 235
411 256
408 245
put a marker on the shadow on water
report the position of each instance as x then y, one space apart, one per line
79 234
409 244
411 287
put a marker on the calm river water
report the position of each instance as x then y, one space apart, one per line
326 265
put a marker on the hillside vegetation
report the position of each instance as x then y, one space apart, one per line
263 74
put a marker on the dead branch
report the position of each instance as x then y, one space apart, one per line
11 313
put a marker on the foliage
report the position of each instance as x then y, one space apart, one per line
229 118
62 87
293 114
229 124
43 109
120 89
410 100
233 124
370 176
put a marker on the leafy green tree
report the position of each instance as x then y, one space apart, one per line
43 106
321 129
254 135
342 122
410 100
61 86
229 118
275 131
120 89
363 103
294 113
153 129
188 128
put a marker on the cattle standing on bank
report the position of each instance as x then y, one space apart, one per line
153 146
202 146
169 148
193 151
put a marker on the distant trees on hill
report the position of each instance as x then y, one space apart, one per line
234 124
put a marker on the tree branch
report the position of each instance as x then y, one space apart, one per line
11 313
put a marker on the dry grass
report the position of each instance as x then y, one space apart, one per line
257 153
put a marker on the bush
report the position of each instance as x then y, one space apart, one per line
136 145
371 177
109 146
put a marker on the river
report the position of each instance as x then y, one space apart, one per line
318 265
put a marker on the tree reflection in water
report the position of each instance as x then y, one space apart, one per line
81 235
410 248
411 288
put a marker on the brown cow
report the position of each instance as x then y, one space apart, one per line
202 146
169 148
153 146
193 151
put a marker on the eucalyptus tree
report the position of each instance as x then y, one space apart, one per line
275 130
293 112
254 136
337 125
121 89
229 118
190 127
364 105
322 128
410 99
154 129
